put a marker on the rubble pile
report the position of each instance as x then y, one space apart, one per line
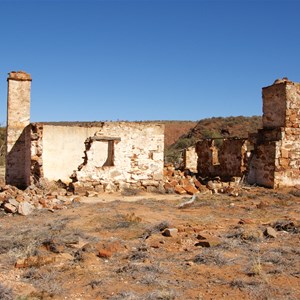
15 201
172 181
186 182
93 188
57 195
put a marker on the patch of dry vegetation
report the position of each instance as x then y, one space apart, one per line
117 250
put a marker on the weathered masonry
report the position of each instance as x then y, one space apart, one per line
18 133
229 159
276 158
115 155
105 155
270 157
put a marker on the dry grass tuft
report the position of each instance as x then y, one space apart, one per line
6 293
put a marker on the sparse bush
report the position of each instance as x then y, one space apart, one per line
95 283
125 221
126 296
295 193
156 228
213 256
237 283
254 268
45 281
149 279
162 295
58 225
6 293
138 255
130 192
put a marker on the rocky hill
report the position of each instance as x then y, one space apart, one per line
175 129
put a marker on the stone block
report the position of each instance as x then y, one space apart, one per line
170 232
270 232
10 208
150 183
158 176
284 153
25 208
179 190
190 189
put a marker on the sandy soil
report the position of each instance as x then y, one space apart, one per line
114 247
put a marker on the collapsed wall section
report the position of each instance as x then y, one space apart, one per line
233 157
208 161
131 153
227 160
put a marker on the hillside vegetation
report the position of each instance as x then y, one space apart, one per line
217 127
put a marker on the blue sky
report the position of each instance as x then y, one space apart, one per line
148 60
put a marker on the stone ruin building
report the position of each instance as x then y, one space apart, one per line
270 157
115 155
98 155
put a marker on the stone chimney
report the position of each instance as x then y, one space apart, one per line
18 131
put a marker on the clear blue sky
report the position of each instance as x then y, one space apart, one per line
148 60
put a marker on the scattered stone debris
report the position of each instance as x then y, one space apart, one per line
57 195
186 182
24 202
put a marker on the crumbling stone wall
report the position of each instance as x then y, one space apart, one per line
276 157
134 154
18 132
120 153
208 162
227 161
233 157
36 152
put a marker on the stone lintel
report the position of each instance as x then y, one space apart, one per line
105 138
19 76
